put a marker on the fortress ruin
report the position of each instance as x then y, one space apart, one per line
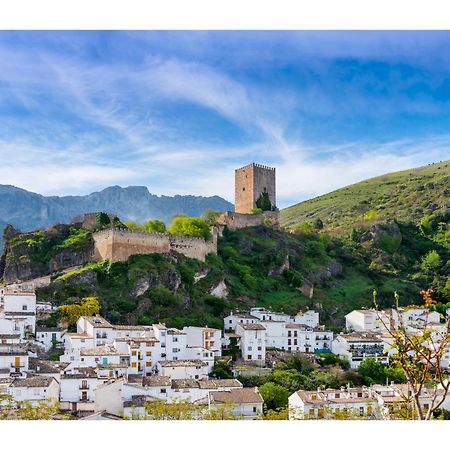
118 244
253 184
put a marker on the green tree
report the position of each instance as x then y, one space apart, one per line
24 410
430 262
222 370
372 371
256 211
210 216
274 395
263 202
132 225
69 314
318 224
103 219
154 226
189 226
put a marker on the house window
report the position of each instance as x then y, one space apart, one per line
360 394
289 333
230 321
133 353
175 339
148 364
24 307
254 409
163 390
249 349
249 356
148 353
337 395
361 410
259 356
259 348
133 364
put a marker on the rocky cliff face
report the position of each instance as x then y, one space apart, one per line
36 254
26 210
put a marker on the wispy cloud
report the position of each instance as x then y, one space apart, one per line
178 112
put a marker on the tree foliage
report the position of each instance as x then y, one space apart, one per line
189 226
274 395
103 219
263 202
25 410
69 314
420 355
154 226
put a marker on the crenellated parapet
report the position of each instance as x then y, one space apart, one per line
118 244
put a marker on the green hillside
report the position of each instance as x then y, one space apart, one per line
390 233
406 196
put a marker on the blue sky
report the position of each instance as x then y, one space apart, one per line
179 111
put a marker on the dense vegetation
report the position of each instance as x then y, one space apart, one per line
330 262
272 268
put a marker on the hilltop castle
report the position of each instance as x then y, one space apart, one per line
254 198
254 191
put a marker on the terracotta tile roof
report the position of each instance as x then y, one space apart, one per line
99 351
243 395
214 384
98 321
130 327
185 384
137 401
33 382
155 380
49 329
251 326
183 363
44 366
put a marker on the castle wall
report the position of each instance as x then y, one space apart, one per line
250 182
118 244
235 221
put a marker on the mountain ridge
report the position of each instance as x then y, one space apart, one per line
28 210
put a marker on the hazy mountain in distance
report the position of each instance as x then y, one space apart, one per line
28 211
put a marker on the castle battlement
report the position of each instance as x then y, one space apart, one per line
118 244
260 166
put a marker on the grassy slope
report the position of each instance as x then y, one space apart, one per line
406 196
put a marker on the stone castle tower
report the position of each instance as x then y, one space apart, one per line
251 182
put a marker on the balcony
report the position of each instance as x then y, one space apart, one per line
83 387
101 336
17 366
